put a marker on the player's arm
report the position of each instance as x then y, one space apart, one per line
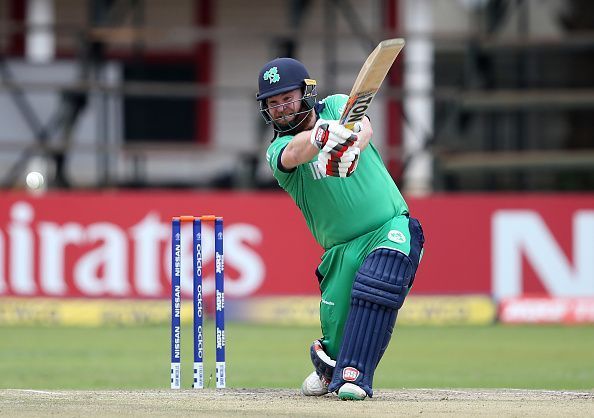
298 151
305 145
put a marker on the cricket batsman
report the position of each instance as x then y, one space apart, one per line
372 246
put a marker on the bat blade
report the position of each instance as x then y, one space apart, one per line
369 80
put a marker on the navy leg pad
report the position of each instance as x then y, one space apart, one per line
379 289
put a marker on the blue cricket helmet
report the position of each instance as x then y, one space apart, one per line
279 76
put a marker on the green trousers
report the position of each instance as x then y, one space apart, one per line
338 268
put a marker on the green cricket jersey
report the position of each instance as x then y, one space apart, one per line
338 209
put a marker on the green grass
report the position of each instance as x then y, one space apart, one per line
541 357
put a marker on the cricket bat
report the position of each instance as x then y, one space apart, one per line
369 80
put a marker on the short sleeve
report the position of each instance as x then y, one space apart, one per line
273 155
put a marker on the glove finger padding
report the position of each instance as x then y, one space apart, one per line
340 150
341 131
330 136
339 168
343 137
337 150
342 166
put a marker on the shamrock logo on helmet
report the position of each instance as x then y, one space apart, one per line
272 75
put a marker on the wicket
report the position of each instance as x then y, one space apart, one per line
176 223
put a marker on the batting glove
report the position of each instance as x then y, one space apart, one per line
330 136
339 166
322 362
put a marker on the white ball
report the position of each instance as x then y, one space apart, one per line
34 180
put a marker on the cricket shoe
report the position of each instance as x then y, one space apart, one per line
351 392
314 385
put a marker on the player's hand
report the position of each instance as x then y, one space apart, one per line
330 136
353 141
339 166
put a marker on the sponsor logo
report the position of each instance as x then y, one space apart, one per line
177 302
320 135
219 263
199 309
200 342
523 236
220 338
316 171
547 310
358 107
199 260
176 343
350 374
327 302
111 256
177 261
220 301
396 236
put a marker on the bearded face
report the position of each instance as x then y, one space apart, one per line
286 113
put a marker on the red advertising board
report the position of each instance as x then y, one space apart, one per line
507 245
115 244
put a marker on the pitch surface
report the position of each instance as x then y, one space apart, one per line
289 402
